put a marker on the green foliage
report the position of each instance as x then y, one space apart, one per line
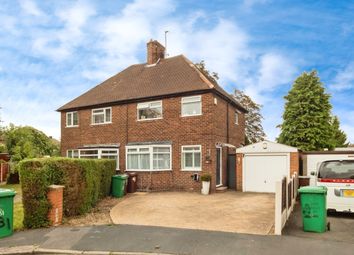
339 138
212 76
307 115
205 178
85 180
2 148
253 119
28 142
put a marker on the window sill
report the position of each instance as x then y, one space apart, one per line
147 170
99 124
193 115
72 126
191 170
149 119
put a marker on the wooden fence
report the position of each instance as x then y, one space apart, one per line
285 198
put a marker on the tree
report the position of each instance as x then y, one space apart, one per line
28 142
213 77
339 138
307 115
253 119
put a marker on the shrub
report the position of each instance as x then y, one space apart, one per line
206 178
85 180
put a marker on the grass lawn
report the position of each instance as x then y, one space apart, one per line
18 207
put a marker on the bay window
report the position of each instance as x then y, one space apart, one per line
148 157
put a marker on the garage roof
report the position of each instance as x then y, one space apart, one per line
266 146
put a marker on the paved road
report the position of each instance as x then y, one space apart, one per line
128 238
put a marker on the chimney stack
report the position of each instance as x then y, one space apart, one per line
155 51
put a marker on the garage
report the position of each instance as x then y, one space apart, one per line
261 164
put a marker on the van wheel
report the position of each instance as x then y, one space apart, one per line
328 226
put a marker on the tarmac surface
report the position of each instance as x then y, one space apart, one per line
132 239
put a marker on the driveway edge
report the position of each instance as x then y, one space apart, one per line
30 249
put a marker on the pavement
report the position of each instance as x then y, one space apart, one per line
231 211
131 239
341 227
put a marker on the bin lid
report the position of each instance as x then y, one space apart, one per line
120 176
313 189
7 193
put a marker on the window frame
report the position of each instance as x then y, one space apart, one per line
72 151
150 148
104 115
150 102
237 118
99 153
183 168
189 97
72 119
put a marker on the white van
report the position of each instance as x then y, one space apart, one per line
338 177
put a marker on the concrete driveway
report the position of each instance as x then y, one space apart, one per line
341 227
230 211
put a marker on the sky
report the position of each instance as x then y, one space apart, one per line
53 51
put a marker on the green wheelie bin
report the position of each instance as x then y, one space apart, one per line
6 212
314 208
119 183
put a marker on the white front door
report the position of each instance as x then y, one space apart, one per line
262 171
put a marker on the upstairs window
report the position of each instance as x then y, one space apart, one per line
102 115
72 119
150 110
236 118
191 106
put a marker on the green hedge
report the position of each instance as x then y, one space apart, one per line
85 180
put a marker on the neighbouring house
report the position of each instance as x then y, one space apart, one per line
162 119
261 164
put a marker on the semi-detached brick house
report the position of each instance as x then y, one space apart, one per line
163 119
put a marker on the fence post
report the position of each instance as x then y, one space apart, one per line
278 208
55 198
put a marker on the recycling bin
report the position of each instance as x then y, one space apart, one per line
119 183
314 208
132 183
6 212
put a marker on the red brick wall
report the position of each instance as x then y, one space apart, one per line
206 130
55 198
239 165
294 163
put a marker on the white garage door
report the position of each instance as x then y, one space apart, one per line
262 171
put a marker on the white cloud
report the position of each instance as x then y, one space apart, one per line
30 7
97 46
344 78
59 44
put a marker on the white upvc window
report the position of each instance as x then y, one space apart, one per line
72 153
149 110
192 158
95 153
102 116
191 106
72 119
148 157
236 117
